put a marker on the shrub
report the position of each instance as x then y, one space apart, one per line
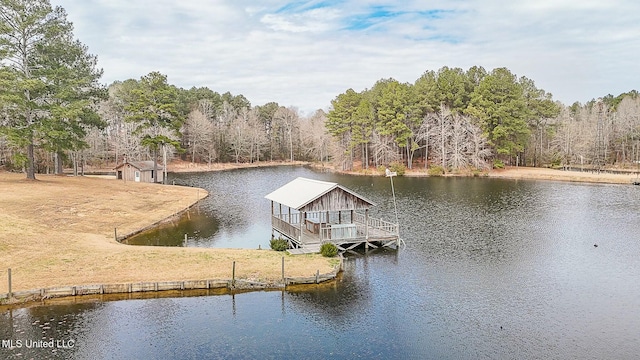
435 170
279 244
328 250
498 164
556 162
397 167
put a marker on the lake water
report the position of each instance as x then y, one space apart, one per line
492 268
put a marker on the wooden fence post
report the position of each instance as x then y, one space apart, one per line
283 269
317 276
233 274
9 294
115 233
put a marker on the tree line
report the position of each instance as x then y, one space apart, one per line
457 120
55 112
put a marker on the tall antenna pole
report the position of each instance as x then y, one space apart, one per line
599 159
390 174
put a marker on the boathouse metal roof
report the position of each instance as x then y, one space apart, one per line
300 193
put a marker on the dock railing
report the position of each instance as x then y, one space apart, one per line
338 232
281 223
289 225
375 224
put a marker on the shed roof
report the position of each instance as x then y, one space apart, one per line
302 191
141 165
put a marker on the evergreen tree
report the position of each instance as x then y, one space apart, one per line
48 81
497 102
153 108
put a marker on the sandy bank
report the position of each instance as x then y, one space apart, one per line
178 166
524 173
562 175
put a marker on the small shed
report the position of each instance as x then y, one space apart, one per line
310 212
138 171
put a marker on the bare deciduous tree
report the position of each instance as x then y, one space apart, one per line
200 136
288 118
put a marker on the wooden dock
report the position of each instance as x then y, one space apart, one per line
309 213
347 232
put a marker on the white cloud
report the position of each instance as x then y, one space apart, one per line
315 20
305 53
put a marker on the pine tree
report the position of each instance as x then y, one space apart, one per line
48 81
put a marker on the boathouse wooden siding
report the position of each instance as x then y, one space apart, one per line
310 212
337 199
138 171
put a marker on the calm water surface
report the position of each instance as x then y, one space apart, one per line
495 269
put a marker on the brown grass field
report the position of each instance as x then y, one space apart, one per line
59 231
562 175
511 172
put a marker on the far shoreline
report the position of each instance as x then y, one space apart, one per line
509 172
513 173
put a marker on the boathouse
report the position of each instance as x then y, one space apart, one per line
138 171
310 212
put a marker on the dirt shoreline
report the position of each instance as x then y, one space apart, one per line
59 231
524 173
521 173
184 166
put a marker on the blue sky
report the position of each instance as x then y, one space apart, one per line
304 53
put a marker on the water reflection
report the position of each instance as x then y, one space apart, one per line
195 224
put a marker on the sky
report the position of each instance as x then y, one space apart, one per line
305 53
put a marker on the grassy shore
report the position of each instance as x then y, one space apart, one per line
524 173
563 175
59 231
178 166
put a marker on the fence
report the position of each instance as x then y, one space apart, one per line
141 287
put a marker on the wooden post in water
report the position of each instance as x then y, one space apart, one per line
9 294
283 269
